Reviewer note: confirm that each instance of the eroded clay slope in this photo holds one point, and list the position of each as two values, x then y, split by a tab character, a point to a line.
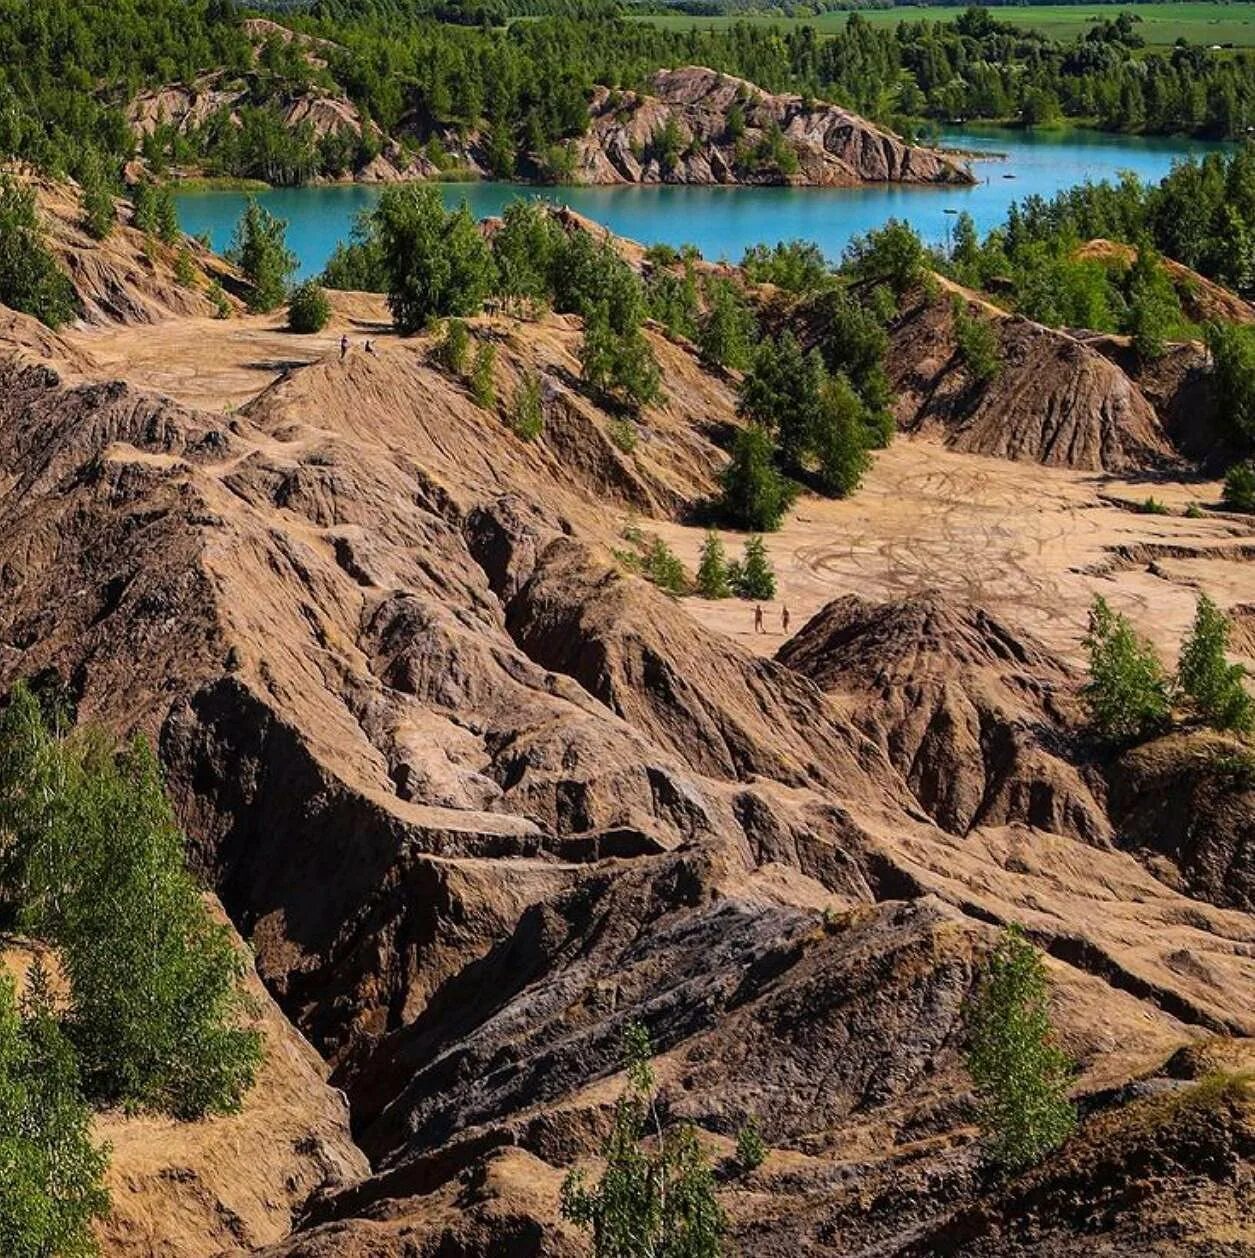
1055	400
983	723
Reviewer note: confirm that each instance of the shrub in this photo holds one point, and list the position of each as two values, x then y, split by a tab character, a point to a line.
1154	310
99	209
1215	687
1233	369
97	866
618	363
661	566
755	577
455	348
729	328
659	1200
529	416
892	255
750	1149
1152	506
222	307
622	434
755	495
1020	1076
51	1175
797	267
358	265
1239	487
840	438
712	571
483	385
524	248
308	308
977	343
259	249
30	279
1127	693
437	262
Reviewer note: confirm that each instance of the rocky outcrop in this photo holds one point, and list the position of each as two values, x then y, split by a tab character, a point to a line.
697	126
983	723
1054	400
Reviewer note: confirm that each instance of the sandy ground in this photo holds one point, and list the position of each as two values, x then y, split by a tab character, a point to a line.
1033	544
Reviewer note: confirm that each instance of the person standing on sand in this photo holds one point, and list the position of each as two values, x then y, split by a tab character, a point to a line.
758	619
784	620
370	349
344	347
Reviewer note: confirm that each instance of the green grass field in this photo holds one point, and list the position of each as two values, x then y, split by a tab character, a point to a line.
1162	24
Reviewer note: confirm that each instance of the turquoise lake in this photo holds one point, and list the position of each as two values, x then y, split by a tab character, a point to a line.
723	221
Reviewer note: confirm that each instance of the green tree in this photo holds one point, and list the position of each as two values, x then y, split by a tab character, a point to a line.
663	567
308	308
977	343
754	493
782	391
1154	311
1233	370
658	1202
1127	694
31	280
756	578
892	254
185	267
840	438
51	1174
1020	1075
1216	688
259	248
1239	487
456	346
483	380
618	363
359	265
728	330
712	570
529	415
99	208
437	262
156	213
97	867
524	247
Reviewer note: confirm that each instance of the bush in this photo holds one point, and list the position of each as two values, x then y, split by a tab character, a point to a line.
977	343
1239	487
755	495
1233	370
308	308
1127	693
622	434
1151	505
755	577
618	364
1154	310
437	262
750	1149
222	307
524	248
1214	686
712	571
728	331
185	268
892	255
99	210
840	438
529	416
259	249
1020	1076
51	1175
456	346
483	385
797	267
359	265
31	281
661	566
96	865
656	1200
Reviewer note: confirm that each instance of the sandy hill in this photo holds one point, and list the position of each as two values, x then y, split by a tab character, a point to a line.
477	797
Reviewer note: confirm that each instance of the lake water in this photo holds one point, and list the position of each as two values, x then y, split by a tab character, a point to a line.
723	221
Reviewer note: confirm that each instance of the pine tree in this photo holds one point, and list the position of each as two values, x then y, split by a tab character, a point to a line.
840	438
1216	688
259	249
756	577
755	495
1020	1076
529	416
712	572
456	346
483	384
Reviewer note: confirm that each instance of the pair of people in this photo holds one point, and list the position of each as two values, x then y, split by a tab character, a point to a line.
344	346
758	619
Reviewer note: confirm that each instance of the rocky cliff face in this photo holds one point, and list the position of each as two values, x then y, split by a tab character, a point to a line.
696	126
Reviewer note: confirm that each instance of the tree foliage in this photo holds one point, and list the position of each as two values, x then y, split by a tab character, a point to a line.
652	1201
1127	694
712	569
95	863
754	493
30	279
1020	1075
1215	687
1232	349
259	249
51	1173
308	308
755	578
1239	487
